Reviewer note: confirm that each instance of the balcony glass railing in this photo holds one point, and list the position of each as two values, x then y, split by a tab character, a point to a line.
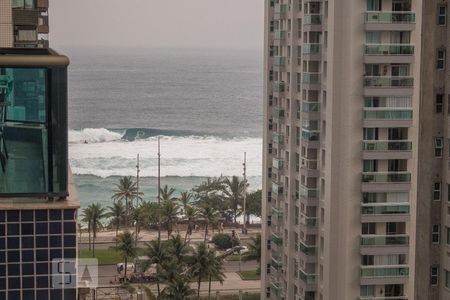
313	19
311	48
387	82
385	209
281	8
378	145
310	106
389	49
387	114
384	240
308	192
309	221
278	138
278	112
276	239
277	213
390	17
279	61
279	87
383	298
311	78
310	164
280	34
276	264
307	249
376	271
312	136
307	278
276	189
386	177
278	163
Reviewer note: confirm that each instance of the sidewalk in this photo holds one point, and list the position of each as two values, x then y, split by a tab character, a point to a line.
148	235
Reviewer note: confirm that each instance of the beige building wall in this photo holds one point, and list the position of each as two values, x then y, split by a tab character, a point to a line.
6	28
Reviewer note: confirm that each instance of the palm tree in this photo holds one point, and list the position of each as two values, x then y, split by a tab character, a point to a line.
200	264
127	248
156	251
126	189
209	216
87	218
139	215
185	197
97	213
254	252
116	212
214	269
191	215
178	248
234	193
178	288
166	193
169	214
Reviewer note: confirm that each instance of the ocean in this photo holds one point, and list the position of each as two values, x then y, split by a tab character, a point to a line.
204	104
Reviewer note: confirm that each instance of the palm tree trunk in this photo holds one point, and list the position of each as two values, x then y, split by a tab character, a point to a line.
126	212
187	231
136	228
199	282
93	242
209	288
117	232
206	231
89	234
126	265
157	285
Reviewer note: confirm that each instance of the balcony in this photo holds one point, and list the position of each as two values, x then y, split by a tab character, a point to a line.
280	61
278	214
388	82
385	271
385	118
390	21
309	167
309	250
276	264
383	298
312	19
280	34
312	136
390	149
279	87
311	49
384	240
278	138
307	278
309	193
310	107
384	209
280	11
389	53
277	112
311	222
386	177
276	189
278	163
277	240
310	78
276	289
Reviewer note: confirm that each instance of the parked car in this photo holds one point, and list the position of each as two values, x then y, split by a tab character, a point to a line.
236	250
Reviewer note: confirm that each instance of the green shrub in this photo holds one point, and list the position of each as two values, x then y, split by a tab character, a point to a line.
224	241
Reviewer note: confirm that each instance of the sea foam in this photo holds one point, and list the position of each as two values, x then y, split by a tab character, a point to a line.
106	154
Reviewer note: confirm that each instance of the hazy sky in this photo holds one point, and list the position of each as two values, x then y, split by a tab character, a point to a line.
163	23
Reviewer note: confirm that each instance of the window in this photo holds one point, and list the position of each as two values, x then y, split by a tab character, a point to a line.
438	147
447	279
367	291
442	15
435	232
437	191
448	235
434	276
368	228
440	62
439	105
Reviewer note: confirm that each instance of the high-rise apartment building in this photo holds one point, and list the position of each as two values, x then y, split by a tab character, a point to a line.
356	150
38	201
24	23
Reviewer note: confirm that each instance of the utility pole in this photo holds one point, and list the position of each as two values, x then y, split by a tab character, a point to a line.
137	174
159	190
244	228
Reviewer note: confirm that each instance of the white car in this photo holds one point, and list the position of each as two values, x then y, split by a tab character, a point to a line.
237	250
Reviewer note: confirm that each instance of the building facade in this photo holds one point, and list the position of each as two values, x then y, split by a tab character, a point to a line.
353	150
38	201
24	23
